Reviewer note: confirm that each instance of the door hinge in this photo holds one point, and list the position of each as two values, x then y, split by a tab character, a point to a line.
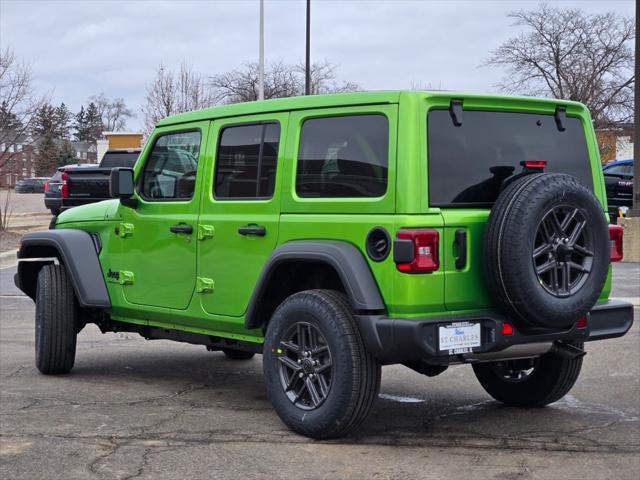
124	230
205	231
204	285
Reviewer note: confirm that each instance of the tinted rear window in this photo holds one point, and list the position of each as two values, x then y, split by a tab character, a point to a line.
468	164
124	159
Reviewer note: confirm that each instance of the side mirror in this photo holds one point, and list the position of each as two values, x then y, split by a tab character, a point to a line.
121	186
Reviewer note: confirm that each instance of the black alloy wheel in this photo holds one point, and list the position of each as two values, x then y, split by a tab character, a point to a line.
305	366
563	252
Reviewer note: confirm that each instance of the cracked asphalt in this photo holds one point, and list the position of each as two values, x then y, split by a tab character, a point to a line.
148	410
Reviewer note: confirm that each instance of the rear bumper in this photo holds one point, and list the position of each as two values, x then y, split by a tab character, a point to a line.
395	340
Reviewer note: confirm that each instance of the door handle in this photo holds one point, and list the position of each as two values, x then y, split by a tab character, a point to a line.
257	230
181	228
461	246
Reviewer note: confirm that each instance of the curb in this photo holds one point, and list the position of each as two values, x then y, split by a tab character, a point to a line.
8	254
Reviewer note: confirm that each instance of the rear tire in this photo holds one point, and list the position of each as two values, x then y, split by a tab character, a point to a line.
55	212
56	321
237	354
548	380
319	376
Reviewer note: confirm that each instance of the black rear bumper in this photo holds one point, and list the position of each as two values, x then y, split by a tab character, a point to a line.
398	340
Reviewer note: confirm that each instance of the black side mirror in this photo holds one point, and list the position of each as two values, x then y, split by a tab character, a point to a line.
121	186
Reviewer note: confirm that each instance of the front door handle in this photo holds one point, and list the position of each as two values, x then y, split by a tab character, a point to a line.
181	228
257	230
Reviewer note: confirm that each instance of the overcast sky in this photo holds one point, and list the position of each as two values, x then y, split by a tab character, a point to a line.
84	47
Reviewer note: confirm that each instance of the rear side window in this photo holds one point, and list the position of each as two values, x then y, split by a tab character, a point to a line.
118	159
170	171
246	161
343	157
469	164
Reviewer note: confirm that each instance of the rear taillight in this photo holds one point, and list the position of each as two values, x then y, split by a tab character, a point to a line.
615	236
64	188
582	322
416	250
507	329
46	187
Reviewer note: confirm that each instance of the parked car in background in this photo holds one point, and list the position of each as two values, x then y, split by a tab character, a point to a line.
89	185
75	185
31	185
52	188
618	179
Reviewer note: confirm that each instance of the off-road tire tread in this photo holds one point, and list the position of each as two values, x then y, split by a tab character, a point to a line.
366	368
56	311
553	379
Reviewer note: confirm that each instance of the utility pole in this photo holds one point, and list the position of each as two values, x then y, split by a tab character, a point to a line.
307	69
261	55
635	209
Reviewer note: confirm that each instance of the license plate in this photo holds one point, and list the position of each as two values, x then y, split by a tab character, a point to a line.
459	337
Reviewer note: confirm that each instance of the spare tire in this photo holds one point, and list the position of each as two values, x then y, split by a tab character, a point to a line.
546	250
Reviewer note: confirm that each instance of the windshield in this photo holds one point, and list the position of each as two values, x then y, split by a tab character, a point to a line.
469	164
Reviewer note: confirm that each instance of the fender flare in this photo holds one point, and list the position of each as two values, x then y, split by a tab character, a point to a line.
77	251
346	259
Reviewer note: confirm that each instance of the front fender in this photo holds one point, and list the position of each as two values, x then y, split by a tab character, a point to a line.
76	250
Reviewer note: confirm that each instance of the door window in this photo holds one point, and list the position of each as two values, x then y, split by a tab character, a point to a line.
246	161
170	171
343	156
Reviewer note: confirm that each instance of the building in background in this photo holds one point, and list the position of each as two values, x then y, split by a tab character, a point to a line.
86	152
615	142
118	140
18	162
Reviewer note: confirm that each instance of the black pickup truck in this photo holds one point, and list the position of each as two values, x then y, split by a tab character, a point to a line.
79	185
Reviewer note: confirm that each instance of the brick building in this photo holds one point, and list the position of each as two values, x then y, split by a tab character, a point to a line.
17	161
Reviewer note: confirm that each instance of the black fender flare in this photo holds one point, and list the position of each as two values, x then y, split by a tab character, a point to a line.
77	251
346	259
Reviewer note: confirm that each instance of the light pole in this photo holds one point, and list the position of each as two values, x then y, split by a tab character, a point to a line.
261	55
307	69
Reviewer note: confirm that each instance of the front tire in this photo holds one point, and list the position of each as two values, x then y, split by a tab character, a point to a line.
319	376
56	321
531	382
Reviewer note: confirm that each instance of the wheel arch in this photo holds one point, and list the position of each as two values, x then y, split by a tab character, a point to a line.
313	264
77	251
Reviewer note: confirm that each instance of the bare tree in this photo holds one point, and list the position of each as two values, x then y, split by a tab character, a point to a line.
175	92
18	105
114	113
568	54
281	80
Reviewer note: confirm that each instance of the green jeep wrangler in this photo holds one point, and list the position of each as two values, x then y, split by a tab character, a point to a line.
335	234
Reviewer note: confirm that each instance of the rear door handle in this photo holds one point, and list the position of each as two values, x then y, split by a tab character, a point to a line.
181	228
257	230
461	246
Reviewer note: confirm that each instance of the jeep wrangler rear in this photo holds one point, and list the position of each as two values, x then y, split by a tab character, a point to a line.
336	234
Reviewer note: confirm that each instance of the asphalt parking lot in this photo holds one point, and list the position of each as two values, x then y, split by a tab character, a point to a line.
138	409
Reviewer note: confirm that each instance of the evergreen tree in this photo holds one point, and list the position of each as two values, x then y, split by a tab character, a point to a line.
47	156
94	123
44	122
81	126
63	121
66	154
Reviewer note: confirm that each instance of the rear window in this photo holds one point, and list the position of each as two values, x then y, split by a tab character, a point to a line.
118	159
469	164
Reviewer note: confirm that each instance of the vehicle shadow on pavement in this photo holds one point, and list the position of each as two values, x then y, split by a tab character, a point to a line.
180	392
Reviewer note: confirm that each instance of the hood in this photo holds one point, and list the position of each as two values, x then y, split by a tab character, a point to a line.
105	210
